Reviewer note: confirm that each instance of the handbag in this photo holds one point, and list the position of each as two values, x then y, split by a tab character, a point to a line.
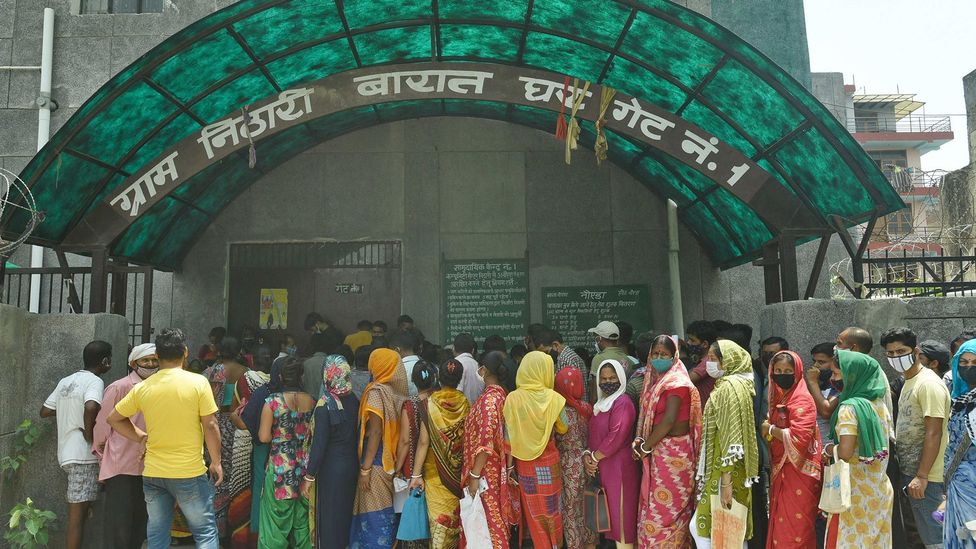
413	521
596	509
836	495
728	525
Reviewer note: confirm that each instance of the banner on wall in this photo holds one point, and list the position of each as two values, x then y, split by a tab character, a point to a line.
572	310
274	309
486	297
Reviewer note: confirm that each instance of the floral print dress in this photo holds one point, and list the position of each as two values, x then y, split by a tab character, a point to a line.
288	455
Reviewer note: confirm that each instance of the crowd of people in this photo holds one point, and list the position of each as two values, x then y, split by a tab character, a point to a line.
326	447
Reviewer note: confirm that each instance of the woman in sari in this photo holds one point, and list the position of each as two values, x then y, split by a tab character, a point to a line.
728	463
532	412
379	419
228	380
667	444
794	493
330	476
611	431
862	426
569	384
441	451
486	454
285	426
960	456
424	378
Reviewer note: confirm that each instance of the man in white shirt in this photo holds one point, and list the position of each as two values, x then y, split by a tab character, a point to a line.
75	403
464	350
404	342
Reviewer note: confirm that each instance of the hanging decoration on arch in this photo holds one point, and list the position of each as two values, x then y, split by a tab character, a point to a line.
573	129
602	147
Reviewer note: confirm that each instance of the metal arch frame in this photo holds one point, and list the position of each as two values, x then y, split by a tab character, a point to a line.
143	74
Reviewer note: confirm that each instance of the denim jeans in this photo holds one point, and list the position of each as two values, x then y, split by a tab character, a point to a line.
929	530
195	496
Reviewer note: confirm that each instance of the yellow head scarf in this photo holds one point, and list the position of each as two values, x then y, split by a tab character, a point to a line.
531	410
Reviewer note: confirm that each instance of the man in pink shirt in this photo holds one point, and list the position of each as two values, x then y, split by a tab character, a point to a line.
121	458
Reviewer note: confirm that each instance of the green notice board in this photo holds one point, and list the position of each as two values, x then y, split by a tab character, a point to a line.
572	310
486	297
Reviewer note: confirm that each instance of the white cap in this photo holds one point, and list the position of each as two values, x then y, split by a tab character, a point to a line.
606	330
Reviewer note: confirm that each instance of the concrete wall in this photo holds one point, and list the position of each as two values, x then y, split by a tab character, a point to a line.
807	323
828	87
37	351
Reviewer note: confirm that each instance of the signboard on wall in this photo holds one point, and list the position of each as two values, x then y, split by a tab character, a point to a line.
572	310
486	297
274	309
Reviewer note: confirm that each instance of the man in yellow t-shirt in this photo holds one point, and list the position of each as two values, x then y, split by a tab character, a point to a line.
920	433
179	410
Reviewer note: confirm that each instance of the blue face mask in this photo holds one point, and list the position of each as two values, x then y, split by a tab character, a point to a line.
662	364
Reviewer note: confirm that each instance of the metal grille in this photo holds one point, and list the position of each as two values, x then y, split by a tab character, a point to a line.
315	255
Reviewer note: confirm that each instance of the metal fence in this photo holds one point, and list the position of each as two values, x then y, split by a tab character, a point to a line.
889	123
903	273
65	290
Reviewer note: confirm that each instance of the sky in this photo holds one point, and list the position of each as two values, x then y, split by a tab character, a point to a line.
911	46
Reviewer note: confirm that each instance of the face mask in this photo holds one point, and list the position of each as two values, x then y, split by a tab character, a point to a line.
609	388
766	357
596	345
713	369
291	351
554	355
145	372
901	363
968	374
837	384
785	381
662	364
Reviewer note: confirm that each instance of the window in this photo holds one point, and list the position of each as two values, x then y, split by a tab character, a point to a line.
900	222
121	6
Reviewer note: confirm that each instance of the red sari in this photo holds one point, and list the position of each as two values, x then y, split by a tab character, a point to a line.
667	495
484	432
796	468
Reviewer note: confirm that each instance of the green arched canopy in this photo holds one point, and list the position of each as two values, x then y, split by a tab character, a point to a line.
804	169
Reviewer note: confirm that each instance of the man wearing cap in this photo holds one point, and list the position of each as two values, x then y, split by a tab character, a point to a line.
935	356
121	458
607	340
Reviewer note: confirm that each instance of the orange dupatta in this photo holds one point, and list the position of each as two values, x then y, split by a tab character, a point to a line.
390	385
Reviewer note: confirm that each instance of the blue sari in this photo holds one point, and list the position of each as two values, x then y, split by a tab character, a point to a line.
961	494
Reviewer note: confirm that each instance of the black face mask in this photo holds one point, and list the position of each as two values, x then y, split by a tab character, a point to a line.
785	381
968	374
554	355
837	384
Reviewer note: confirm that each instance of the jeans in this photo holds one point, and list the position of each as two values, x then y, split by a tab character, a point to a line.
929	530
195	496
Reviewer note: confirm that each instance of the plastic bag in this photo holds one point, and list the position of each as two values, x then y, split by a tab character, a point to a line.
400	493
413	521
728	525
474	522
835	498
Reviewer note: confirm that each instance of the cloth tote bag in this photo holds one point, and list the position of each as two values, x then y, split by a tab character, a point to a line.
836	495
474	522
728	525
413	521
596	509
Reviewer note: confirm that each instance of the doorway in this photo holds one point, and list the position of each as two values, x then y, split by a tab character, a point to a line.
274	285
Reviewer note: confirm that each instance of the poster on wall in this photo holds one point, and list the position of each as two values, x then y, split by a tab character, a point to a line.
572	310
274	309
486	297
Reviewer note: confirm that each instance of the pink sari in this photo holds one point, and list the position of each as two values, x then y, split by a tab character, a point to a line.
667	496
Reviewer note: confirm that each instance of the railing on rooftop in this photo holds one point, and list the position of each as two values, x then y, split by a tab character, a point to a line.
912	123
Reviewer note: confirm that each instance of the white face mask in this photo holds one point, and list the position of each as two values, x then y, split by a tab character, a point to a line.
596	345
902	363
713	369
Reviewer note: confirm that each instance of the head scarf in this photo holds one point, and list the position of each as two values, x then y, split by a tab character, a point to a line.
605	402
141	351
730	409
335	381
531	410
569	383
864	382
802	443
656	384
387	391
959	386
447	409
251	413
